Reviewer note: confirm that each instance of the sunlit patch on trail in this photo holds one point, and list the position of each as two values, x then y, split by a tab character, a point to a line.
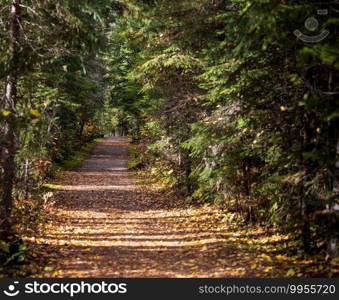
103	225
89	187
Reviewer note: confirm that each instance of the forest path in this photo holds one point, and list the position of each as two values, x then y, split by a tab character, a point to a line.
104	225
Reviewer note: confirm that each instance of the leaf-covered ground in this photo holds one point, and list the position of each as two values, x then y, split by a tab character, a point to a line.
105	225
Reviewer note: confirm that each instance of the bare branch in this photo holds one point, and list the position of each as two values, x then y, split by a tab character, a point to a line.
29	8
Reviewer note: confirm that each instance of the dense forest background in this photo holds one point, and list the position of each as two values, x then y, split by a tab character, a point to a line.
224	103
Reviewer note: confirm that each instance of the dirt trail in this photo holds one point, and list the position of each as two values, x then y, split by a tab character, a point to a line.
103	225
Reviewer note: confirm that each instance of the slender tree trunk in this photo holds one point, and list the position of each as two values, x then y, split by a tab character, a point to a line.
9	105
81	130
333	208
307	166
305	226
332	247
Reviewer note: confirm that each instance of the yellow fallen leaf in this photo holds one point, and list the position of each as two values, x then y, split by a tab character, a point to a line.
290	273
204	248
267	269
266	257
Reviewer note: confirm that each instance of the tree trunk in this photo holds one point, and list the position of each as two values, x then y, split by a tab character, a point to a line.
9	106
333	208
332	247
307	167
81	129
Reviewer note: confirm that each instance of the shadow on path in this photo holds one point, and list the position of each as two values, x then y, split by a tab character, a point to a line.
103	225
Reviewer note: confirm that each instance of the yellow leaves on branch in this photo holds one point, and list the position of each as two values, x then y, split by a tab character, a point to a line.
35	113
5	113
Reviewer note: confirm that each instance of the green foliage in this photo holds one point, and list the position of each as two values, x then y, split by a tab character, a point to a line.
238	110
60	85
61	102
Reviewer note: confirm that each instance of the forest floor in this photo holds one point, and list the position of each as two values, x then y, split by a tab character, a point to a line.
104	224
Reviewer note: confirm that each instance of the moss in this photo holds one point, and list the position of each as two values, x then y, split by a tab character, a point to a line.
79	155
